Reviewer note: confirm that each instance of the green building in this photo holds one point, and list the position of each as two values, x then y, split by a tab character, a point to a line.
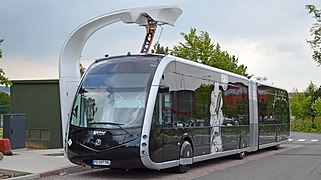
39	100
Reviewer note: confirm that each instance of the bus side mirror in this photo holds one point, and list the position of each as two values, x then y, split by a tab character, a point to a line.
163	89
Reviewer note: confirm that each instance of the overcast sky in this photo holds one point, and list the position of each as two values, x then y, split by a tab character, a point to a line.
268	36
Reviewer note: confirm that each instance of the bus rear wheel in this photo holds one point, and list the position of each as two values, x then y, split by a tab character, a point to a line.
243	144
240	155
277	147
186	155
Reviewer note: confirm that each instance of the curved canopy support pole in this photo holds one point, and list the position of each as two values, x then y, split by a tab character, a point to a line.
69	73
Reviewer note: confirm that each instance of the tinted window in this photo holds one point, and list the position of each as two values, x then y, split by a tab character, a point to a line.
114	93
273	105
236	105
188	101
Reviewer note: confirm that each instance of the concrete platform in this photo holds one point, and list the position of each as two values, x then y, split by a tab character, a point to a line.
38	163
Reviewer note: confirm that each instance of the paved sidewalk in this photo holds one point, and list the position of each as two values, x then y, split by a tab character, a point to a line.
38	163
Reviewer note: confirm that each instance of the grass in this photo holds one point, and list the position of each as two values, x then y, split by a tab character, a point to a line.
306	125
1	133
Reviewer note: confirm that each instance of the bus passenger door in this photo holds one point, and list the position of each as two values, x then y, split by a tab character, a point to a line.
163	131
170	148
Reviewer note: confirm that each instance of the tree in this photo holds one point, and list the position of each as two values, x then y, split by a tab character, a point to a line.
306	105
298	105
82	69
4	99
4	103
310	94
315	30
3	79
316	101
317	106
158	49
199	48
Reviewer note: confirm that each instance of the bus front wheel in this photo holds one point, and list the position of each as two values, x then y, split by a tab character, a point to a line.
186	157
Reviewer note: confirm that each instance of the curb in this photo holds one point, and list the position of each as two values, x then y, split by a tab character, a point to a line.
29	176
64	171
19	174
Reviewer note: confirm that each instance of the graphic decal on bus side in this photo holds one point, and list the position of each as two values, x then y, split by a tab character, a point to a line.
216	119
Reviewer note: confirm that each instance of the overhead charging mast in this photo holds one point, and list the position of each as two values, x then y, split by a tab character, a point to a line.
150	33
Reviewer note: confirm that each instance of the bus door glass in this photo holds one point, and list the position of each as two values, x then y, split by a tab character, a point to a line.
164	124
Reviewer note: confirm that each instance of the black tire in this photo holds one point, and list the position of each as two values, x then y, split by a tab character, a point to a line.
277	147
182	168
278	136
243	144
185	152
243	141
240	155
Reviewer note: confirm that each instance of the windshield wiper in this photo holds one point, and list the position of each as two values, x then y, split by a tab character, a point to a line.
82	90
112	123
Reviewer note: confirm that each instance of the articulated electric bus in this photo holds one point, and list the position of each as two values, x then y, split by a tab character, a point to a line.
157	112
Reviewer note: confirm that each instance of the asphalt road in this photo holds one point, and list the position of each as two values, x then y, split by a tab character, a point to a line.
298	159
301	163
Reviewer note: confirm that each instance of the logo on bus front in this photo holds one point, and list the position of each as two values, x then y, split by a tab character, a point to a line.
98	142
99	133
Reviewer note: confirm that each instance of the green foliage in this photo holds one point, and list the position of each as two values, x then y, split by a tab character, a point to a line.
317	106
199	48
158	49
82	69
315	30
306	105
3	79
4	99
311	93
196	48
306	126
298	105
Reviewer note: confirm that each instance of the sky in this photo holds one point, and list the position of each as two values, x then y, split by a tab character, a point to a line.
268	36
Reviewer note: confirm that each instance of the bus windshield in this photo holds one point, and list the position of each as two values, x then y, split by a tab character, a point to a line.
113	95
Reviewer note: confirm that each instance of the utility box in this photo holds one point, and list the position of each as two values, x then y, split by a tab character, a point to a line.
14	129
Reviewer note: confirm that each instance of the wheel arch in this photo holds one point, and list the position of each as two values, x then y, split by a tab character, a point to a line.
187	137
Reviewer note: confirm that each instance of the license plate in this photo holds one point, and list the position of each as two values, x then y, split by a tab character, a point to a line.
102	162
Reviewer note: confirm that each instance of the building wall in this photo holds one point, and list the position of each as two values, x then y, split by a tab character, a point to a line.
39	100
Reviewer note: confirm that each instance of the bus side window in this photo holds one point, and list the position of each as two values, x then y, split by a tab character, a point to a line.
167	109
163	108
